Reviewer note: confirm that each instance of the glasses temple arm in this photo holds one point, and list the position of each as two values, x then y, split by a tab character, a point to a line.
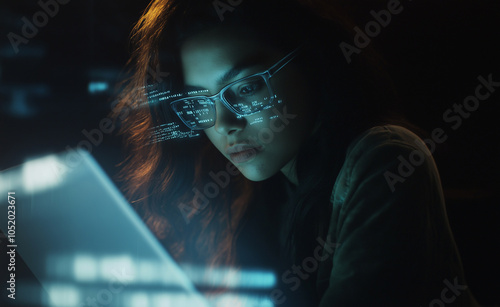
278	66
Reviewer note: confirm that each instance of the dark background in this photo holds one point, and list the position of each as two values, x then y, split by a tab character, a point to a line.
435	50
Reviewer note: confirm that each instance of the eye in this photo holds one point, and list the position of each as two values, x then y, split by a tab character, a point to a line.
249	88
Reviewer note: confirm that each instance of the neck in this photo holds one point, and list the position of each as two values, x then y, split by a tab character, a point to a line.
290	172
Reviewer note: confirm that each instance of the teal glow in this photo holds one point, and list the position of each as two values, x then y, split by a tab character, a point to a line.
43	173
85	268
60	295
97	87
230	277
140	299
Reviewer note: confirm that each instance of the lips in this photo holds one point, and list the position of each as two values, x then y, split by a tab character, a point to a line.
240	153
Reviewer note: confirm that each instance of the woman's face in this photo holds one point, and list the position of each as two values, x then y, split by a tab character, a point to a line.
271	138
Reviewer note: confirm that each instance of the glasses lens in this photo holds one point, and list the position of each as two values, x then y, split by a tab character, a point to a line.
249	95
195	112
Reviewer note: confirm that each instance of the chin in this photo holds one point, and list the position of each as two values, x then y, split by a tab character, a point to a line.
255	176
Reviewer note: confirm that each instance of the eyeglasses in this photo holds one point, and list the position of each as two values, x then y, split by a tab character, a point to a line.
243	97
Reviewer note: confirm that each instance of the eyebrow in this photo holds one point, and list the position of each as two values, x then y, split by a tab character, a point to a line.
255	59
241	65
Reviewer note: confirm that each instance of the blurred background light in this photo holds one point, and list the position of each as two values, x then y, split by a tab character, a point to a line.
230	277
140	299
96	87
43	173
60	295
85	268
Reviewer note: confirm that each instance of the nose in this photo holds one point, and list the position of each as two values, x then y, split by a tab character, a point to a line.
227	122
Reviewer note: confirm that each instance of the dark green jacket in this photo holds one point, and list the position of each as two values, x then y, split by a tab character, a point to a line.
389	240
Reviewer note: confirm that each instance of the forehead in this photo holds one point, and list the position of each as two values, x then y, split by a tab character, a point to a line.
207	56
219	41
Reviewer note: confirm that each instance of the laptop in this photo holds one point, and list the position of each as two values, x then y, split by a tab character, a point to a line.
64	218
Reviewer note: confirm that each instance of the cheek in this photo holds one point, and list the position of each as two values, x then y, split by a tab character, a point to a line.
215	138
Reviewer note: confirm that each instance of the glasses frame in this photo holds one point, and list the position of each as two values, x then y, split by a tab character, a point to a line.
266	75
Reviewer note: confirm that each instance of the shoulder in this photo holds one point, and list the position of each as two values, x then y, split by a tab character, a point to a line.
389	223
385	138
391	154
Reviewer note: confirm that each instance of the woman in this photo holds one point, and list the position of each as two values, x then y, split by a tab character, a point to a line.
263	146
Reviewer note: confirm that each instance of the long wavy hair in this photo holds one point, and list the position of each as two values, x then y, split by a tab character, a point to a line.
161	178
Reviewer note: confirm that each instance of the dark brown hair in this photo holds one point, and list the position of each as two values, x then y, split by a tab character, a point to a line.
160	176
